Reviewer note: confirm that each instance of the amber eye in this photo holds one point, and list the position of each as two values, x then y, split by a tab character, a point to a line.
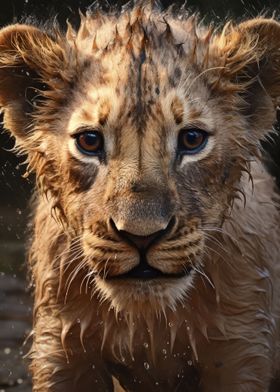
192	140
90	142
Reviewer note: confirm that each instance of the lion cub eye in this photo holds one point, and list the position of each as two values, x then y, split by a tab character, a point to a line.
192	140
90	142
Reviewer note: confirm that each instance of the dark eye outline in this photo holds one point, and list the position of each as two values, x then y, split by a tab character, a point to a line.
87	131
183	150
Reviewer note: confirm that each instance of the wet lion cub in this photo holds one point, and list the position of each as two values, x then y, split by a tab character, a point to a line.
155	253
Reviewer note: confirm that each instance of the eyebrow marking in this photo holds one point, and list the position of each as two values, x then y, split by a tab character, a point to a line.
177	109
86	115
194	113
104	111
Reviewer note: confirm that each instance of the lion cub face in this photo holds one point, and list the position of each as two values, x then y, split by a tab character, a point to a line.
151	166
138	127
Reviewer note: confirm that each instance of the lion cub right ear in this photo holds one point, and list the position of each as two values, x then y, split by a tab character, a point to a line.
33	71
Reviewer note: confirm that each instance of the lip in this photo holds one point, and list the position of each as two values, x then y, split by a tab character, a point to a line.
144	271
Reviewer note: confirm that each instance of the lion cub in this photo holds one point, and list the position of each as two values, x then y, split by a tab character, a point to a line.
155	253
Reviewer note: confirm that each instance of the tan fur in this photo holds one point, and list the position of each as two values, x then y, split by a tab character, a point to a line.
140	77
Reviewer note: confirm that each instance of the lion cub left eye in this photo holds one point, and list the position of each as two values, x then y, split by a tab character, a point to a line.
192	140
90	142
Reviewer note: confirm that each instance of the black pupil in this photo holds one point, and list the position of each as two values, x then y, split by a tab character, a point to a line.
91	139
193	137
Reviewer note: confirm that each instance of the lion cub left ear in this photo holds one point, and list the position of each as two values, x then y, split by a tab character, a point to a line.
251	55
32	65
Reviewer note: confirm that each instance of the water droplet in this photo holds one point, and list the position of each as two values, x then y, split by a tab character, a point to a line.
157	383
93	366
146	345
170	324
146	366
7	350
164	351
190	363
19	381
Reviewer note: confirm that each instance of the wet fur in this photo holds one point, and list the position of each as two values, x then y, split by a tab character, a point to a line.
141	76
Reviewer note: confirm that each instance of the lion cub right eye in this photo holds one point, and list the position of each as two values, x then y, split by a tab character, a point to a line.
90	142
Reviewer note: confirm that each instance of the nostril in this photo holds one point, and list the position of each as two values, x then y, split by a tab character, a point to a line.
139	241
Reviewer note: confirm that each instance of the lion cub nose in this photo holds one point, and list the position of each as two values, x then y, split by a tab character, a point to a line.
142	242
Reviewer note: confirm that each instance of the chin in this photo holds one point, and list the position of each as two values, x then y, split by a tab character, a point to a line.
143	296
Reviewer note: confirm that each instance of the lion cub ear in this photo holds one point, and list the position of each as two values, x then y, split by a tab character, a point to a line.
251	55
31	69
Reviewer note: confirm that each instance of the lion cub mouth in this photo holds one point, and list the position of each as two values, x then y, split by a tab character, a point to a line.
144	271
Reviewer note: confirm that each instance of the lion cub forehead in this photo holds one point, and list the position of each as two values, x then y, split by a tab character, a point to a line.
107	109
99	31
142	40
139	63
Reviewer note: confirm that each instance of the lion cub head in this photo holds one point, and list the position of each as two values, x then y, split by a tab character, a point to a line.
138	127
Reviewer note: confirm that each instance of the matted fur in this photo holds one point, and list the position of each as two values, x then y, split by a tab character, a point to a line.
140	76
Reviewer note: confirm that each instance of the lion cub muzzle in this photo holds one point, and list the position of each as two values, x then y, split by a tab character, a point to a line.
143	243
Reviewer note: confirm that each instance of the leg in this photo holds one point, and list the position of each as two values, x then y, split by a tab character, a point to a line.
52	371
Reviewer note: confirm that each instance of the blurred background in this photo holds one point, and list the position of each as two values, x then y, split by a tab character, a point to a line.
15	191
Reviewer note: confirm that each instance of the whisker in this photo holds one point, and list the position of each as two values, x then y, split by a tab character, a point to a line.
72	277
203	274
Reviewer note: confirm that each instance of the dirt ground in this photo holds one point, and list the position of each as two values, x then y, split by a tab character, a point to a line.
15	325
15	302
